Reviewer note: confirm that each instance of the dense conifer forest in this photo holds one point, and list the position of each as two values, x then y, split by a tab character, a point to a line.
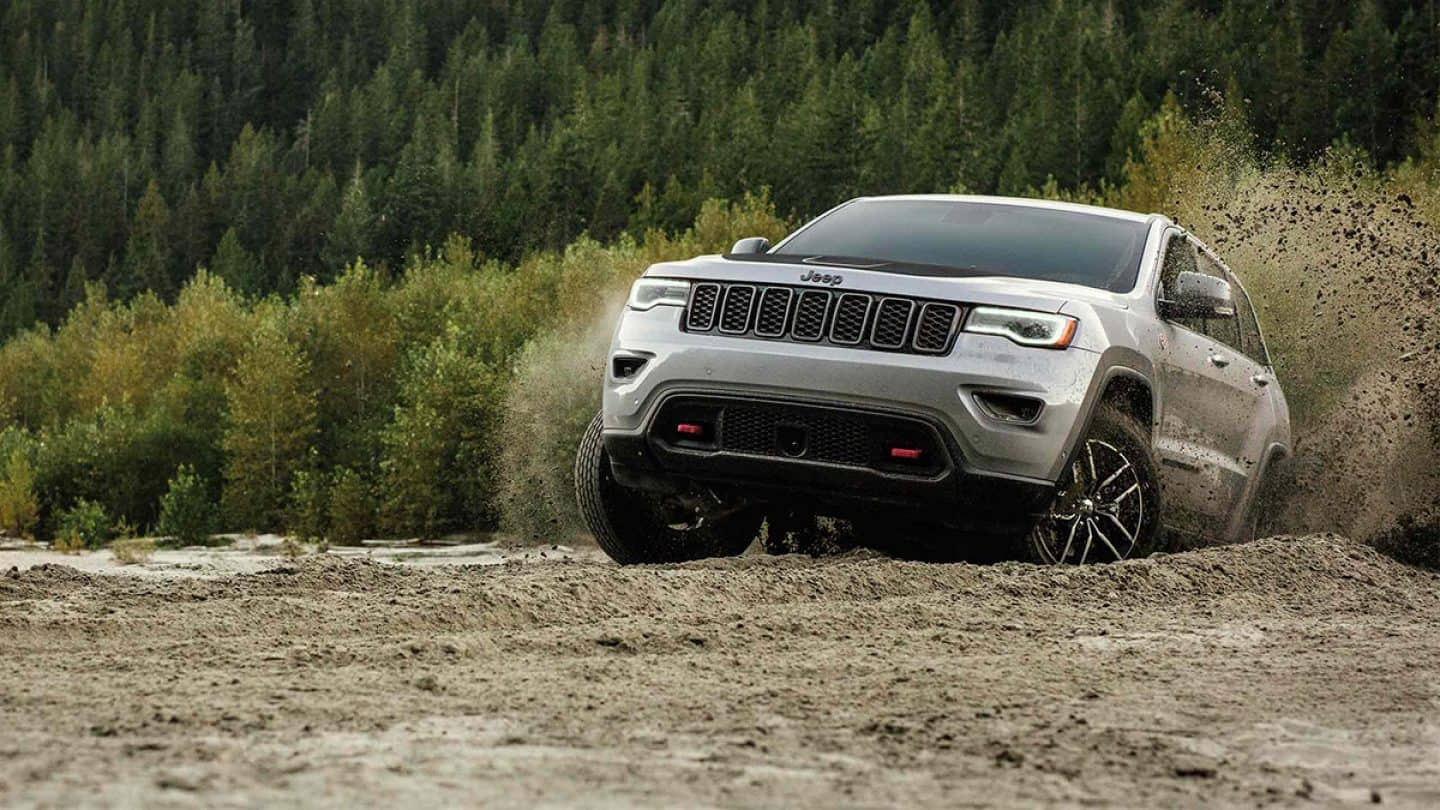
270	140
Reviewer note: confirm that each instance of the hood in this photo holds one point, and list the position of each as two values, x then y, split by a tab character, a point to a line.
1004	291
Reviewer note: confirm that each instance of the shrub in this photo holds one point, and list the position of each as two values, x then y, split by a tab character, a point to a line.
69	544
308	507
352	511
187	513
19	509
86	522
132	550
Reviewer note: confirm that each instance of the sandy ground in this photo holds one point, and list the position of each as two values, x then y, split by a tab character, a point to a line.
1283	672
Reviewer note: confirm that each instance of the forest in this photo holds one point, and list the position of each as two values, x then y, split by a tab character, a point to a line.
322	266
273	140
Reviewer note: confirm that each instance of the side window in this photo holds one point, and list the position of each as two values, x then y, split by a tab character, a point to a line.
1222	330
1250	341
1179	258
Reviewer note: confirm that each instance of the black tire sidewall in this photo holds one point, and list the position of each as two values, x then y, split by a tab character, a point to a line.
626	523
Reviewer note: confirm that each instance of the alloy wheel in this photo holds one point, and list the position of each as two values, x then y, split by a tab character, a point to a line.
1098	512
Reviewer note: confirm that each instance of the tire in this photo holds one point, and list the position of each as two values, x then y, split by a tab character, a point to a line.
1260	519
631	526
1111	514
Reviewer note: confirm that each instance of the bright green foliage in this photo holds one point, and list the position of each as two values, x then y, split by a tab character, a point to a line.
270	426
19	508
187	509
85	521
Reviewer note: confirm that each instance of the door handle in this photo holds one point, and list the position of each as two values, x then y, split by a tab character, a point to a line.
1219	360
1260	380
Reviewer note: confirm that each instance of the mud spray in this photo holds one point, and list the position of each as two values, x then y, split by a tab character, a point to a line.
1343	266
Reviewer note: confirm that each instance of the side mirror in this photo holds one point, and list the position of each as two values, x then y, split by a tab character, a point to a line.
754	244
1196	295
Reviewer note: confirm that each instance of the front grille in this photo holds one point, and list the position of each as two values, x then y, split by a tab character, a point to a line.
862	320
774	312
701	314
735	315
892	323
937	325
810	315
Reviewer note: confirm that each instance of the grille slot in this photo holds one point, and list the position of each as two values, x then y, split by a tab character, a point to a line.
892	323
702	307
774	312
831	437
735	314
937	325
810	315
862	320
848	325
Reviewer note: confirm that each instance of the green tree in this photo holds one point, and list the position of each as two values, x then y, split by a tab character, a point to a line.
147	255
19	508
436	477
270	424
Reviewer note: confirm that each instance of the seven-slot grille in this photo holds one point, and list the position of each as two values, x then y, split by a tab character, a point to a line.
864	320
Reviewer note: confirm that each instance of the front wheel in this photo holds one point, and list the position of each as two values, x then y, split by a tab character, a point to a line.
1107	503
638	527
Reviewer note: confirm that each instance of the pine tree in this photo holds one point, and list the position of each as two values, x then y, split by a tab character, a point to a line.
349	237
147	254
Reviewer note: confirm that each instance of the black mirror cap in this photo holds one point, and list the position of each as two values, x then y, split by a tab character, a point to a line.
1197	295
750	245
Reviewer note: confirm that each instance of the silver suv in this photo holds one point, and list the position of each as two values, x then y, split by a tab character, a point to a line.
950	375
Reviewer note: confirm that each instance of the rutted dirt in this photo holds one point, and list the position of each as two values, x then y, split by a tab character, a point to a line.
1278	672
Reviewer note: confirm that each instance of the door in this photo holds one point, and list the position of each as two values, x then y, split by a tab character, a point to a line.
1208	409
1263	428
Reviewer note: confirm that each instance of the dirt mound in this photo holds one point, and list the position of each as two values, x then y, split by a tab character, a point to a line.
1196	678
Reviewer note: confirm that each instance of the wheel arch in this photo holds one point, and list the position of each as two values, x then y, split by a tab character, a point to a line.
1125	382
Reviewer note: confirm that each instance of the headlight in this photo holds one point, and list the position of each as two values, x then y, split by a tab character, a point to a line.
654	292
1027	328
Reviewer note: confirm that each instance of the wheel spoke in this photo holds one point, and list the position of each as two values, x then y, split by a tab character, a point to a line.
1108	481
1074	524
1129	538
1089	538
1090	451
1135	487
1106	541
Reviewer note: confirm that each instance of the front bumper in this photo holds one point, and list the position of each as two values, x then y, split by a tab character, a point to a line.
938	390
847	477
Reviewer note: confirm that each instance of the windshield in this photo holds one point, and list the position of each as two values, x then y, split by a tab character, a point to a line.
936	237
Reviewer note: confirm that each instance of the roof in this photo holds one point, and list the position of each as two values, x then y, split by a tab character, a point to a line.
1018	201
